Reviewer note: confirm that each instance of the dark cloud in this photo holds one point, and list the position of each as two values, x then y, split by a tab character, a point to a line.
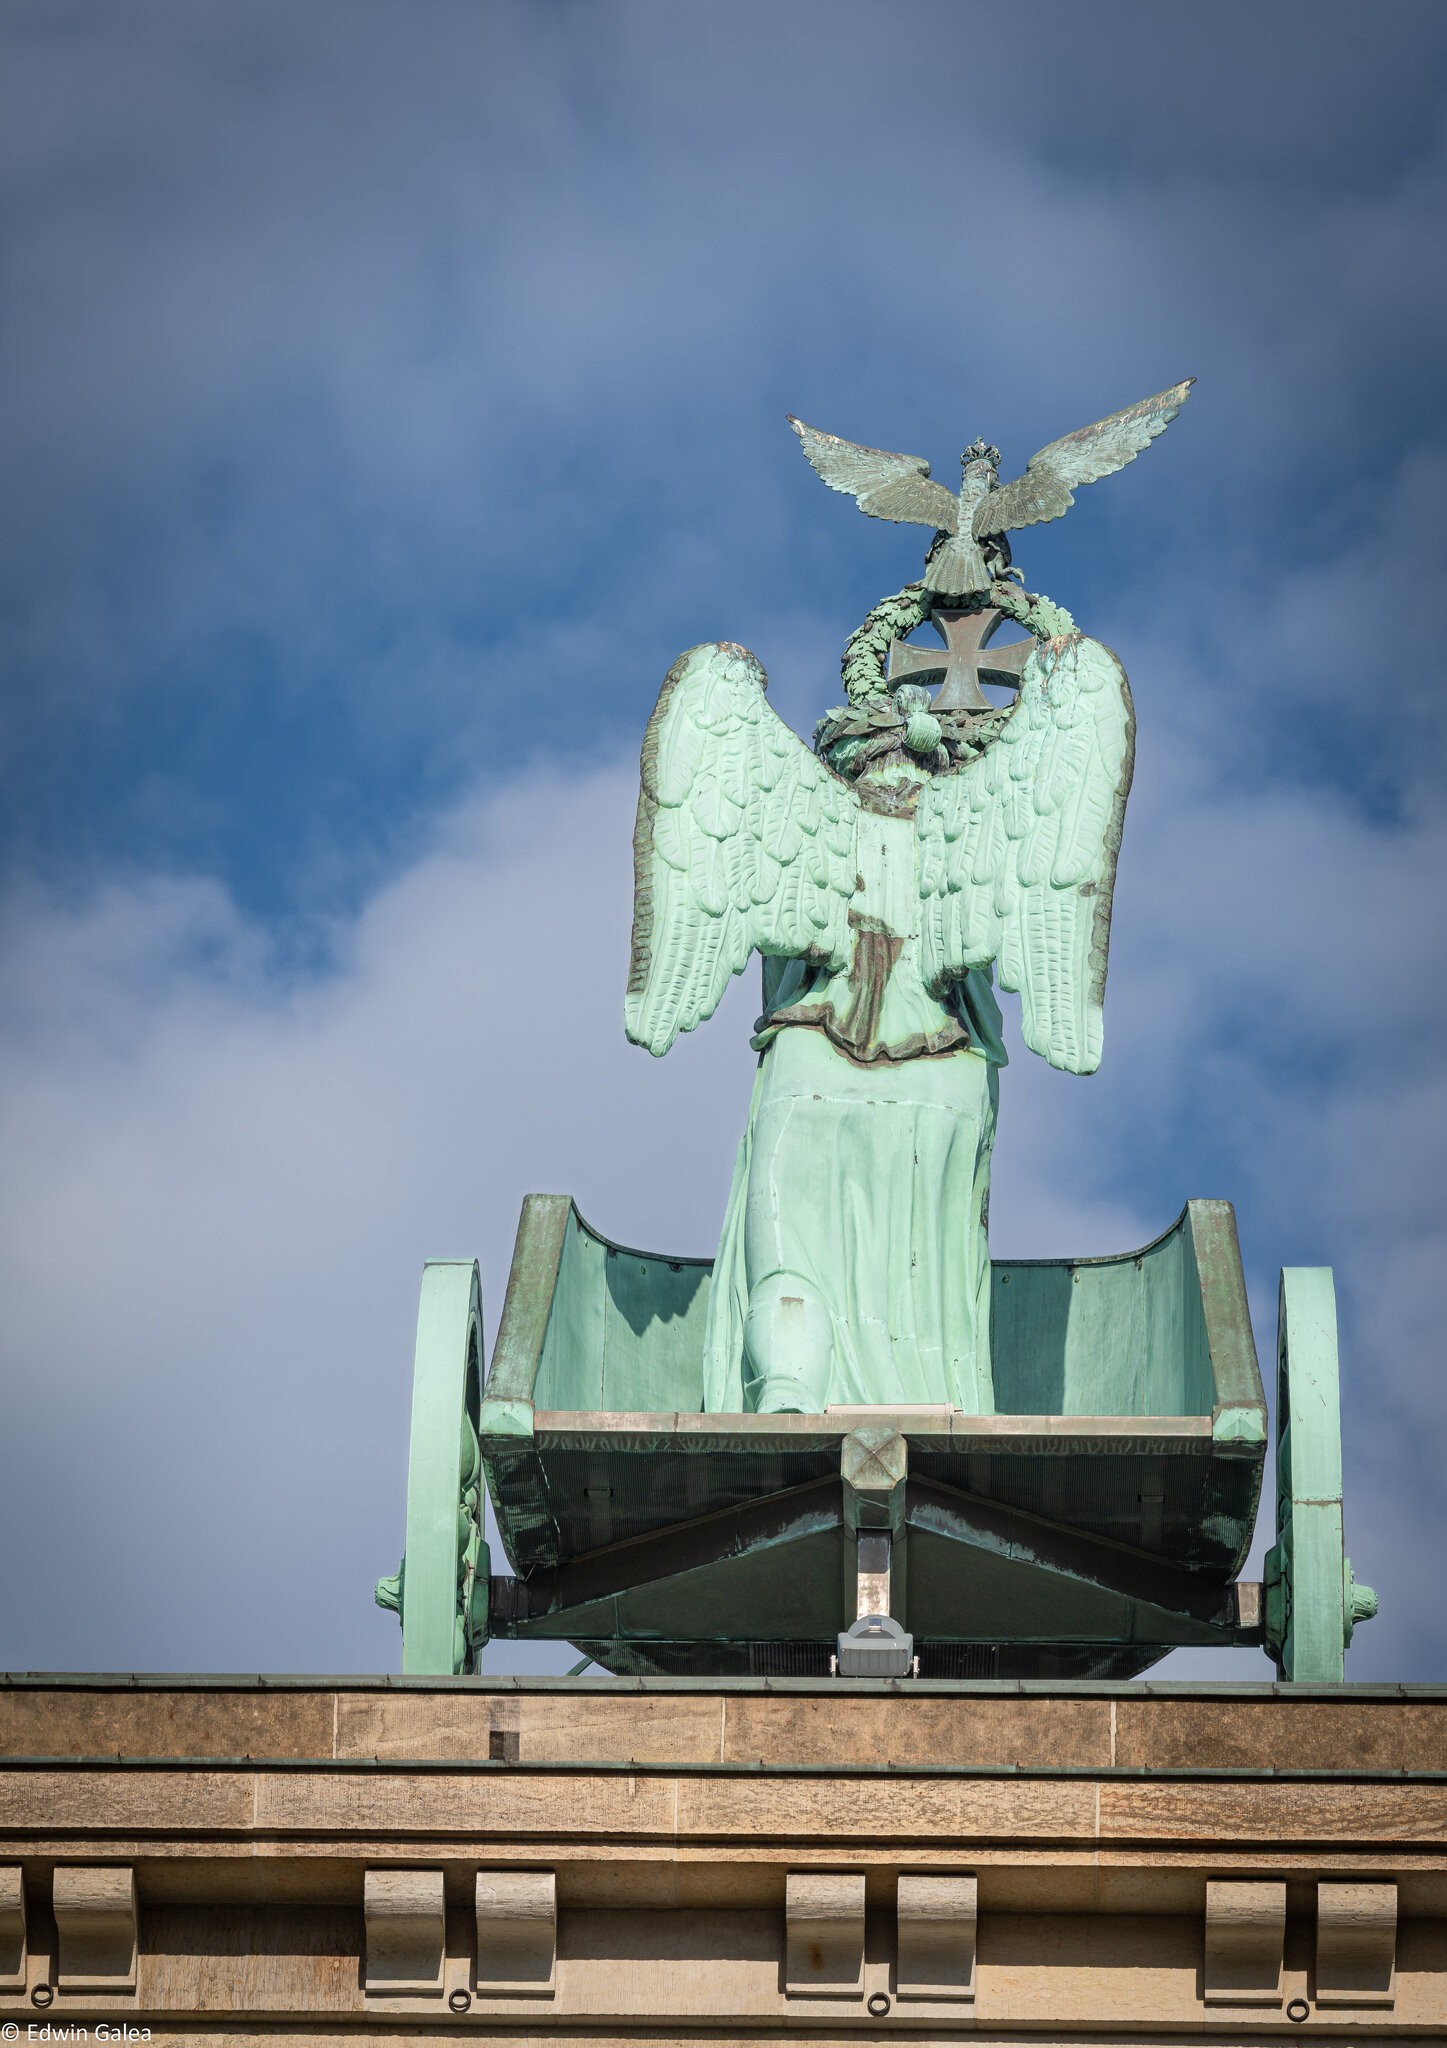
349	359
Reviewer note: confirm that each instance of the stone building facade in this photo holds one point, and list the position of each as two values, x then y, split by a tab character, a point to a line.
371	1861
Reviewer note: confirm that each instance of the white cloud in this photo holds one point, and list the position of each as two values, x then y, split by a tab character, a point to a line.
308	303
220	1190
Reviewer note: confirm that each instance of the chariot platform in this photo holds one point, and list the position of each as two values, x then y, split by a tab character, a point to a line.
1099	1519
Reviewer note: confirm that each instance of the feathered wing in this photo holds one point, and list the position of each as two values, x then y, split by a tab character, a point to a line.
1045	490
1017	852
886	486
745	841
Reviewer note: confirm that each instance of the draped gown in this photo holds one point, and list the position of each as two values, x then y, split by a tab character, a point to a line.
853	1267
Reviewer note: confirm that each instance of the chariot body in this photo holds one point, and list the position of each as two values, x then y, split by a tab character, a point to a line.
1098	1519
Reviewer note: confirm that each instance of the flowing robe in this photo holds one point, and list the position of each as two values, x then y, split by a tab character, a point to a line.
853	1267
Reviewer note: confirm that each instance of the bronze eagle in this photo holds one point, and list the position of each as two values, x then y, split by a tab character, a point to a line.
970	546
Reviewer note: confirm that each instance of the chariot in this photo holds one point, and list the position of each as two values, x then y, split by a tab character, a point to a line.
1101	1518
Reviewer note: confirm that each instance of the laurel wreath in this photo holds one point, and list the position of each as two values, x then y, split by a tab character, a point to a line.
867	649
873	724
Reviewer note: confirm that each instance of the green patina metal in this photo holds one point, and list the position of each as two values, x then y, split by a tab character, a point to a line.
876	658
631	1512
1313	1601
893	874
852	1435
440	1589
970	548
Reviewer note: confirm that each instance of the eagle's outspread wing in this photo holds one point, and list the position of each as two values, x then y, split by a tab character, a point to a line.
1045	490
886	486
745	842
1017	851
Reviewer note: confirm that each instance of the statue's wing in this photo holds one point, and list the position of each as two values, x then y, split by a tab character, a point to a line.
886	486
744	842
1045	490
1018	850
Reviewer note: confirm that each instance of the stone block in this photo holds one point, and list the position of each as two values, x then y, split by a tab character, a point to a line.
517	1931
95	1921
936	1937
1245	1943
406	1930
1356	1944
824	1941
12	1928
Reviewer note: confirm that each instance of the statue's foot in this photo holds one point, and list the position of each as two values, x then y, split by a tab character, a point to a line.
788	1347
782	1396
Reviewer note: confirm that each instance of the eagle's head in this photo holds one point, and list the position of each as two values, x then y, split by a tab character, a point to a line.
979	454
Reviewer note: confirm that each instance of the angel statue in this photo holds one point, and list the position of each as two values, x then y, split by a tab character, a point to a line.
888	876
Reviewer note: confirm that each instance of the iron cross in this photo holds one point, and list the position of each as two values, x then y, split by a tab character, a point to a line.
964	634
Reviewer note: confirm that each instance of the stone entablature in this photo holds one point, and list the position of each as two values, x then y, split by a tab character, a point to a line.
364	1858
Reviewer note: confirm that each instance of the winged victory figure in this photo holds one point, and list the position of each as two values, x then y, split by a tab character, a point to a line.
971	546
886	876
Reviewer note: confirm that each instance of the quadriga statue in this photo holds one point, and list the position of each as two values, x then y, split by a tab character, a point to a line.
921	852
918	853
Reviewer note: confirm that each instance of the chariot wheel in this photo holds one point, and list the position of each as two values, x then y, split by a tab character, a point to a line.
440	1589
1312	1599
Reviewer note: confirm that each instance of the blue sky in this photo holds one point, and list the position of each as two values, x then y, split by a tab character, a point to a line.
389	393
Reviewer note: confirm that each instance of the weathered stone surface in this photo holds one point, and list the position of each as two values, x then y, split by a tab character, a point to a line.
1264	1812
982	1731
405	1913
935	1925
1356	1944
739	1722
1308	1734
651	1728
171	1721
671	1877
1245	1942
517	1930
95	1920
100	1802
490	1805
12	1927
824	1933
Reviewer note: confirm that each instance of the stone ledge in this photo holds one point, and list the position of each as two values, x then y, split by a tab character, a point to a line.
1076	1834
1135	1728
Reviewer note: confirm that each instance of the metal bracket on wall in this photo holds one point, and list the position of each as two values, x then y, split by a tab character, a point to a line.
873	1471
